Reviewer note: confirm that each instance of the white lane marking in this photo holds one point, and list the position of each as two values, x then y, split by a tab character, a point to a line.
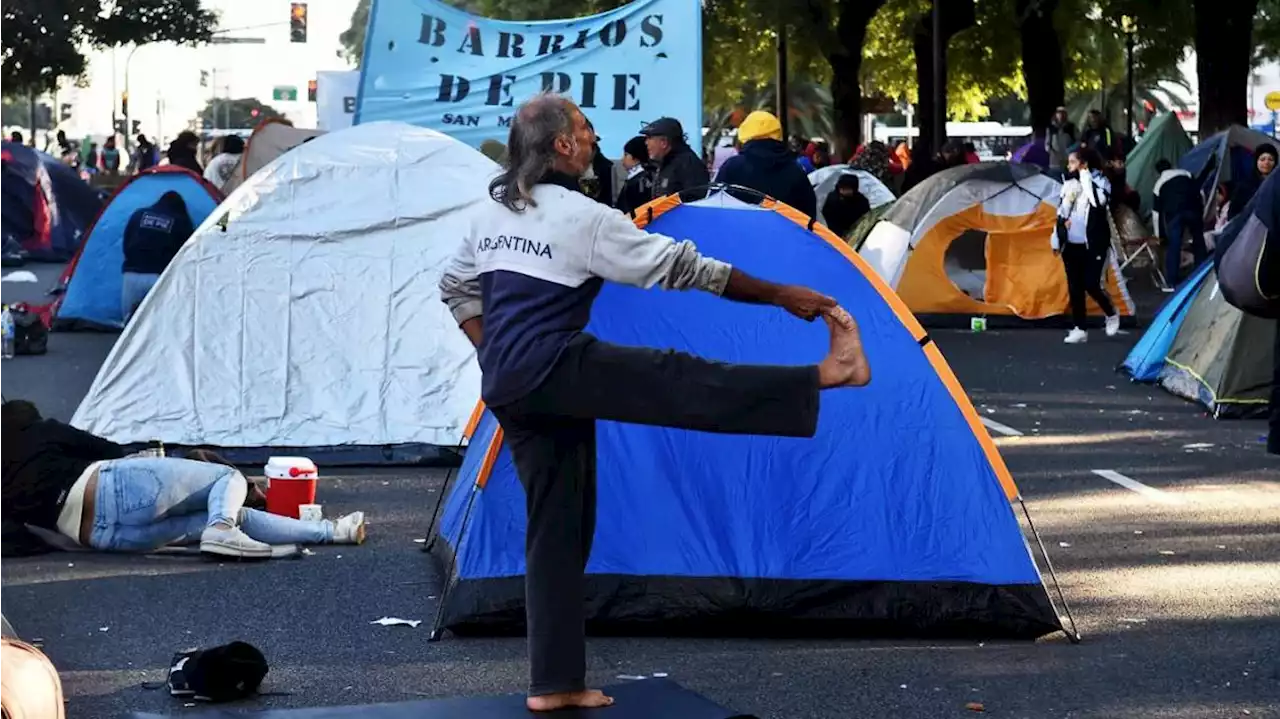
1132	484
1004	429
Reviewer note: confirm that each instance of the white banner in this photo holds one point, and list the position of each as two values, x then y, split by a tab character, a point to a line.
336	99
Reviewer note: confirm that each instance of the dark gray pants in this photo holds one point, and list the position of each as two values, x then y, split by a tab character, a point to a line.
551	433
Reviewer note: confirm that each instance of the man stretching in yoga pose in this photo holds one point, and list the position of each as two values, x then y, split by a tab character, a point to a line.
521	288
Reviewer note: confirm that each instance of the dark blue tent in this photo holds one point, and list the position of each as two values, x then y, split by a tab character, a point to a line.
93	281
1221	159
45	206
1146	359
896	519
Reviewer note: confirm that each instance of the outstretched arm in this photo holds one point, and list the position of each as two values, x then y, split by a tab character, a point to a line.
625	254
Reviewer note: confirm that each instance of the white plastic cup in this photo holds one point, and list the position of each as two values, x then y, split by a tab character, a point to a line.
310	512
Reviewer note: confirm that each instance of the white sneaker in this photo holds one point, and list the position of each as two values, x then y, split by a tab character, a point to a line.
1113	325
231	542
349	529
1076	336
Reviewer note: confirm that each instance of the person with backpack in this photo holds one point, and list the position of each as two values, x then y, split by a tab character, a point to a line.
1084	239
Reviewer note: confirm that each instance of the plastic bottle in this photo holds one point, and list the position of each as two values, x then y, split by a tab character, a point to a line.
6	327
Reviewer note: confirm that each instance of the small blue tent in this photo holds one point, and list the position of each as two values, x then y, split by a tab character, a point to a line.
896	519
94	278
1221	159
1146	359
46	207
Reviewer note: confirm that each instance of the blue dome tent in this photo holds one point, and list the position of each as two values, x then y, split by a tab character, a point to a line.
46	207
93	280
1146	359
896	519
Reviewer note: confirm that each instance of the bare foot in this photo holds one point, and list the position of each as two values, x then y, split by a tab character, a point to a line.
845	365
589	699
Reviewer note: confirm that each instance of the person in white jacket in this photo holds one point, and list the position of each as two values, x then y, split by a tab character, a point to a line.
521	288
1084	240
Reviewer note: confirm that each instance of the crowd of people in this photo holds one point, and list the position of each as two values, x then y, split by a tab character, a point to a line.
184	151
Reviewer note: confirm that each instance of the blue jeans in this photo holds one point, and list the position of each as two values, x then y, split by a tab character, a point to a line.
134	290
147	503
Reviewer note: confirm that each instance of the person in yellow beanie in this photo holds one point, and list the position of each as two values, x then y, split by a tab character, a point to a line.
766	165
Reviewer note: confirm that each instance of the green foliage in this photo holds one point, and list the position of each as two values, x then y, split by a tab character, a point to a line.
43	39
1266	31
238	114
982	61
352	38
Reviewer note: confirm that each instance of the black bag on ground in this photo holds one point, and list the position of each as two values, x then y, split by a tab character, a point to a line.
220	674
30	336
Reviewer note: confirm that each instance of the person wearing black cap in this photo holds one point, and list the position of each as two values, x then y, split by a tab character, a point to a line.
679	167
1264	162
638	188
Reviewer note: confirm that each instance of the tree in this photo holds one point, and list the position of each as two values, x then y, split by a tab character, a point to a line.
956	16
242	113
1042	70
352	38
1224	53
43	39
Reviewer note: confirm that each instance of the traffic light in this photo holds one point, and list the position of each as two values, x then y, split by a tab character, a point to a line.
298	22
311	91
253	112
124	103
137	125
64	113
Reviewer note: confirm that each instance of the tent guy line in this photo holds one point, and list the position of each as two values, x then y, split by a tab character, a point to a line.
1132	484
1004	429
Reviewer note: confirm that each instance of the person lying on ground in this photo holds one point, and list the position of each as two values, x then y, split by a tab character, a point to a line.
67	481
525	305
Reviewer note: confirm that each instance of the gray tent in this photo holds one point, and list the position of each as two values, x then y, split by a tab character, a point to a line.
1221	358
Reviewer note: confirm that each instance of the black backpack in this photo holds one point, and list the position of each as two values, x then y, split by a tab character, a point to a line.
30	336
220	674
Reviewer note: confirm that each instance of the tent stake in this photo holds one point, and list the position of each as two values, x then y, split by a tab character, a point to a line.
1074	633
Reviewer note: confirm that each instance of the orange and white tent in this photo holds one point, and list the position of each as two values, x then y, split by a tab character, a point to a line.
975	240
269	140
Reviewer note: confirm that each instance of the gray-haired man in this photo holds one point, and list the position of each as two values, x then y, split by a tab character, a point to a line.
521	288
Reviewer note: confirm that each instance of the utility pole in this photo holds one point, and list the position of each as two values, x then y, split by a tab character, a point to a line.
1130	28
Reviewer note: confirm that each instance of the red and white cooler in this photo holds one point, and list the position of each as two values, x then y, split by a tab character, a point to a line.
291	482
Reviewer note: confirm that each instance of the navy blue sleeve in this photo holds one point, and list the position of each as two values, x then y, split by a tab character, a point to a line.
806	198
728	173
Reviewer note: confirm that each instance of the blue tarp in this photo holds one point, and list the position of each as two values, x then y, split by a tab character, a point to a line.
894	487
1146	359
46	207
92	298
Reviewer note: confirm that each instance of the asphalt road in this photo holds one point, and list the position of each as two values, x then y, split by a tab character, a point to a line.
1174	579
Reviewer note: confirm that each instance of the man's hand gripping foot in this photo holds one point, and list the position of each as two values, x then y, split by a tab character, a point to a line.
845	365
589	699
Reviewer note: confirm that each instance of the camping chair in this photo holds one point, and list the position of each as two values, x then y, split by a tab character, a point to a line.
1137	249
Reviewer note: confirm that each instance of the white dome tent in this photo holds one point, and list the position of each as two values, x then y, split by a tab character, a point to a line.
304	313
824	183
